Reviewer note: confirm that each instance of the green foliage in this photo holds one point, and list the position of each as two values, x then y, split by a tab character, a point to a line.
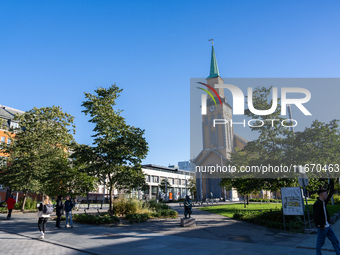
336	198
277	145
29	205
272	219
135	217
96	219
118	148
124	206
157	206
38	155
192	186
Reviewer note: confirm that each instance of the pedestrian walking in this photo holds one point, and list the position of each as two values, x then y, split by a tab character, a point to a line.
322	221
45	209
10	206
68	212
59	211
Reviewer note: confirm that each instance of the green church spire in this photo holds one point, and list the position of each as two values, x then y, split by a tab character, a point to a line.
213	65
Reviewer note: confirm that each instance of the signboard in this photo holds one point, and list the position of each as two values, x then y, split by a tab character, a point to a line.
303	180
292	202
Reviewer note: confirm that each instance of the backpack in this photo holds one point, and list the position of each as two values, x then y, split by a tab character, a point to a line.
48	209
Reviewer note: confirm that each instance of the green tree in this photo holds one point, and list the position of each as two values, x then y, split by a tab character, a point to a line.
192	186
39	146
268	149
118	148
318	149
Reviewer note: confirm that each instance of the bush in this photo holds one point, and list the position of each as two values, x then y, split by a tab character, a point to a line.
135	217
157	206
29	205
95	219
315	196
272	219
173	214
336	198
165	212
124	206
156	214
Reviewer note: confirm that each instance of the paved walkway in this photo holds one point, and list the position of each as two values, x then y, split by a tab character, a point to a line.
214	234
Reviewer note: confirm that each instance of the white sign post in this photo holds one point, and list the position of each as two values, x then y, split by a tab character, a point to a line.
303	181
292	202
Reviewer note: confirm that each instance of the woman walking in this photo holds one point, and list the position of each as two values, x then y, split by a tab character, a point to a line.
10	206
45	209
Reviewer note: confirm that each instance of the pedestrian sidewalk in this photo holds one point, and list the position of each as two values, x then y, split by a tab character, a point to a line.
214	234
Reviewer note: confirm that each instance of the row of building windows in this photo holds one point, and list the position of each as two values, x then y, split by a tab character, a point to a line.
157	179
3	140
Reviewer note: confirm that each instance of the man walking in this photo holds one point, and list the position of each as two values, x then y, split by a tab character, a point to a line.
68	211
322	221
59	211
10	206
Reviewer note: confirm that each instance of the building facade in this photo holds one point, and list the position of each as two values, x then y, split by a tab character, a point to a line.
154	174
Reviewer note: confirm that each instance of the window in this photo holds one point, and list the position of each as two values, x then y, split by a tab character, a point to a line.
155	179
14	125
147	178
171	181
9	141
3	139
179	181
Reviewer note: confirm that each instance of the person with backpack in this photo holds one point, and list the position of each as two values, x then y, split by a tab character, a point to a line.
68	211
45	209
10	206
59	211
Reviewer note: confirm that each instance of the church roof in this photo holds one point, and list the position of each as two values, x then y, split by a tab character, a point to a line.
241	139
213	65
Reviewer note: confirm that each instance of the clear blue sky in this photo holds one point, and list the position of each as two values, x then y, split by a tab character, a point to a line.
53	51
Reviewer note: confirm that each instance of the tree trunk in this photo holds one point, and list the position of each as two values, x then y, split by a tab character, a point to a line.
248	199
23	202
101	206
111	200
8	193
244	199
88	201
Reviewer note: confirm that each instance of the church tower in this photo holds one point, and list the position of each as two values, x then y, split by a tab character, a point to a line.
218	141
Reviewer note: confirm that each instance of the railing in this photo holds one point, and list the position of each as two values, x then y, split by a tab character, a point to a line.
91	206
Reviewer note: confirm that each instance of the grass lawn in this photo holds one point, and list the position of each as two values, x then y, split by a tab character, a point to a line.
230	209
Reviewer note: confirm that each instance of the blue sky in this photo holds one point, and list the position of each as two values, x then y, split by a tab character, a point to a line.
53	51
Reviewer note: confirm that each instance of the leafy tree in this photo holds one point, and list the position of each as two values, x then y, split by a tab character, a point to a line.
276	145
37	149
70	179
118	148
318	149
267	149
192	186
